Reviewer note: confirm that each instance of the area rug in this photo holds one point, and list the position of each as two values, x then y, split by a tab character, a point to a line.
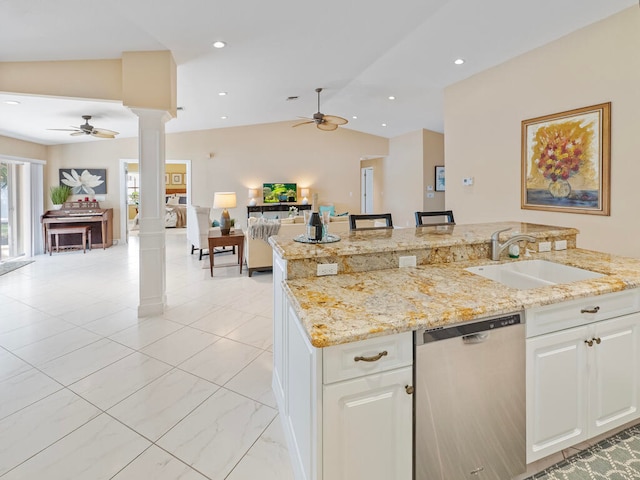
11	266
614	458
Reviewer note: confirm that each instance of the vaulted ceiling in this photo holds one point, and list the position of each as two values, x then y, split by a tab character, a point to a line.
360	51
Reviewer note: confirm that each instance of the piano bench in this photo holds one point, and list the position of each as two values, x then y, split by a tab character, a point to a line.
57	231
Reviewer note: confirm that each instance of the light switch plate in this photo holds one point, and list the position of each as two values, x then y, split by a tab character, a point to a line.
544	246
327	269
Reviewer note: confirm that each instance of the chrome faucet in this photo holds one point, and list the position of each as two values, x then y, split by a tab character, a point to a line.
497	248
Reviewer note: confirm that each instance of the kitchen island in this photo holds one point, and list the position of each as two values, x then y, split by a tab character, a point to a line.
372	306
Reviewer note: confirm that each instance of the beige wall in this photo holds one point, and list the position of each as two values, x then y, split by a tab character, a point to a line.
243	157
19	148
483	114
433	155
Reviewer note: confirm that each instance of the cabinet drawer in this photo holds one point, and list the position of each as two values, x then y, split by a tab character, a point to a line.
339	361
573	313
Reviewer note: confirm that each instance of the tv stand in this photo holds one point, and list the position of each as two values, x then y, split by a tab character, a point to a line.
276	207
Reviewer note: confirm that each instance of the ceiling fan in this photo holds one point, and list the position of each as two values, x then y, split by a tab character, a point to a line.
322	121
86	129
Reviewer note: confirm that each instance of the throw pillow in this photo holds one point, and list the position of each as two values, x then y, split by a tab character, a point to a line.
325	208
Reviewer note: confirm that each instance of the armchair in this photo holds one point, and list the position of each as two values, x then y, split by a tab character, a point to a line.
198	227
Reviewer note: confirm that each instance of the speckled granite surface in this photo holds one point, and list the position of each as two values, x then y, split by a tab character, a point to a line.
378	250
351	307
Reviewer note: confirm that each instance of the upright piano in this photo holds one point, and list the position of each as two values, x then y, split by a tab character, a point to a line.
81	213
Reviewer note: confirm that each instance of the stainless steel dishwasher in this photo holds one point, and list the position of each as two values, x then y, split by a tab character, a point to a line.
469	402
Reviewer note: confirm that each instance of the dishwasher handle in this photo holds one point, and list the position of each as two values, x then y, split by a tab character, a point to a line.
475	338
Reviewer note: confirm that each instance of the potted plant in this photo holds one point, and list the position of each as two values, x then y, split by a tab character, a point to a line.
59	195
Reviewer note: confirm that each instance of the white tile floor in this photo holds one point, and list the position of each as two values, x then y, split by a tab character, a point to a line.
89	391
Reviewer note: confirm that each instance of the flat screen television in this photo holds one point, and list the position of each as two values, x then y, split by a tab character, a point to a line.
279	192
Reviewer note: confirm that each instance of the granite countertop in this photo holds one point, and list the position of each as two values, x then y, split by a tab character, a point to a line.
351	307
401	239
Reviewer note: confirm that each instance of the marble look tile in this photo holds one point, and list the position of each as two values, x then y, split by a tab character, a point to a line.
24	389
268	458
114	383
215	436
96	451
24	317
86	360
32	333
92	311
11	365
154	409
188	312
157	464
145	333
56	346
219	362
254	381
222	321
114	322
257	332
180	345
37	426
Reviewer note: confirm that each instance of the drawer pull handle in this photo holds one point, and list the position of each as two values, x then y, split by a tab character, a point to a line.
597	340
589	342
408	389
595	309
374	358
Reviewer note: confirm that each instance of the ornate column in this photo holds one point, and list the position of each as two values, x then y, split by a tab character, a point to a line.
152	255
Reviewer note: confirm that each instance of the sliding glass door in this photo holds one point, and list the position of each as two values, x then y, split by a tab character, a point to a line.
12	219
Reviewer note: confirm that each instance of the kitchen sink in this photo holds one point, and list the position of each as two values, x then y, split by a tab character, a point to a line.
532	273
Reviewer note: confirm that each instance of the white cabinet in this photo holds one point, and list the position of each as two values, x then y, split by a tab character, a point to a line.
581	381
343	418
367	427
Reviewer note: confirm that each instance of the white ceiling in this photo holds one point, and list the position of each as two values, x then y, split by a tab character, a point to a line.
360	51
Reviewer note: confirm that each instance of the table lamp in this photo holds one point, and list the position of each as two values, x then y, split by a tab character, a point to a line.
253	193
305	193
224	200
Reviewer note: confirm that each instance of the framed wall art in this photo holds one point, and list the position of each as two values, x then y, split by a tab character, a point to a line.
566	161
176	179
166	179
439	179
89	181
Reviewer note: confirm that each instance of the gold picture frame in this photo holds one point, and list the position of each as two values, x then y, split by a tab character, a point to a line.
566	161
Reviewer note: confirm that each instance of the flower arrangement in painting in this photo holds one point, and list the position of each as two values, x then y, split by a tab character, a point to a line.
561	149
84	183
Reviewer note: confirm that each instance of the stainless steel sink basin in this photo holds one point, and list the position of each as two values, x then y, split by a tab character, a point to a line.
533	273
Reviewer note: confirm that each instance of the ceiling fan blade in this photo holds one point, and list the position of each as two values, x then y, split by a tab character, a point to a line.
327	127
303	123
105	131
64	129
335	120
78	133
103	134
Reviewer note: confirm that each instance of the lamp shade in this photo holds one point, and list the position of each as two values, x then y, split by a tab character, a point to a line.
224	200
304	192
253	192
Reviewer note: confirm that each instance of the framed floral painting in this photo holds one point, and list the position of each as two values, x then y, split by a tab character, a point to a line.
566	161
89	181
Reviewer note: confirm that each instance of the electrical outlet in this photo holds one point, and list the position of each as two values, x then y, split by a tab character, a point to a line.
408	261
430	195
467	181
560	245
544	246
327	269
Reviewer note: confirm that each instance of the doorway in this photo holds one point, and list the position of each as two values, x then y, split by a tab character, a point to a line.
130	191
366	190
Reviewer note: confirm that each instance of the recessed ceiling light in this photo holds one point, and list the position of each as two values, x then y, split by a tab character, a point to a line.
392	97
222	94
224	117
384	124
12	102
219	44
355	117
459	61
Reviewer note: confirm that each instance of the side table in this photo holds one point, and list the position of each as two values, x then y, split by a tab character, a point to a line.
234	239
